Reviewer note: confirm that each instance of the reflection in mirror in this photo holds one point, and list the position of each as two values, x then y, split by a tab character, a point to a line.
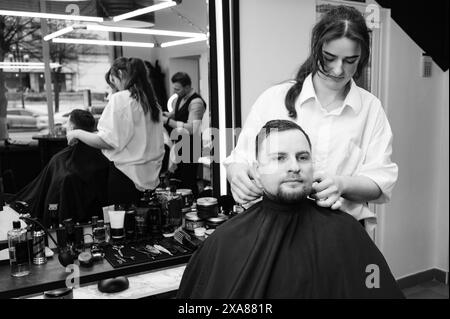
78	82
191	58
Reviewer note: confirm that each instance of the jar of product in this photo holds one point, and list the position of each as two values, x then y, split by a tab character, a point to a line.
187	195
200	233
192	221
207	207
214	222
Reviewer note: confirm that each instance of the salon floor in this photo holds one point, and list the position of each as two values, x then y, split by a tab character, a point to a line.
427	290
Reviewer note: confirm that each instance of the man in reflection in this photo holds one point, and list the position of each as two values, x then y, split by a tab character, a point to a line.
73	184
286	246
183	125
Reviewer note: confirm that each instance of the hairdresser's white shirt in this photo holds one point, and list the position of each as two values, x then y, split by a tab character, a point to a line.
353	140
137	141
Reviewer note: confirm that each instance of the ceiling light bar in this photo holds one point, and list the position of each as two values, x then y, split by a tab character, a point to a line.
104	42
26	65
58	33
95	27
184	41
155	7
50	16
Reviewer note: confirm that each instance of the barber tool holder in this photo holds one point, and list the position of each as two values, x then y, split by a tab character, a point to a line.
152	250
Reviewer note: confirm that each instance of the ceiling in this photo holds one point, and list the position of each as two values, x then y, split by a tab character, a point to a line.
427	24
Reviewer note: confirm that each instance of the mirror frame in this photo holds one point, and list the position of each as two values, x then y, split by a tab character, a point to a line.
225	86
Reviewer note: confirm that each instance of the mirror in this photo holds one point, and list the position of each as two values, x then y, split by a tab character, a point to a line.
79	69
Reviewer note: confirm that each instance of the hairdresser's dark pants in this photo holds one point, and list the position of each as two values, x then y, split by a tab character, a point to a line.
121	189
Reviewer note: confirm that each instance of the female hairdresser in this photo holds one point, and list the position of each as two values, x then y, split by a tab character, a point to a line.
129	132
350	134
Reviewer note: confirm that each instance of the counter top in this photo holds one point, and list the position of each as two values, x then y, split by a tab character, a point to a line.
53	275
141	285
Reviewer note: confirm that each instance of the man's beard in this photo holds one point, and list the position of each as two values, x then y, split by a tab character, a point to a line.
294	195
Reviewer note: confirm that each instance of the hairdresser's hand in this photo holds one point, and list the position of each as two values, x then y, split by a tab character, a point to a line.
327	190
72	137
244	184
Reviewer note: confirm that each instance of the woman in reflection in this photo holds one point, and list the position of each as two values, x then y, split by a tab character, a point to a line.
349	130
129	132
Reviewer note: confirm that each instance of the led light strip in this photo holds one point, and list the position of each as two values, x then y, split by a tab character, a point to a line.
95	27
50	16
58	33
104	42
155	7
142	31
184	41
26	65
221	97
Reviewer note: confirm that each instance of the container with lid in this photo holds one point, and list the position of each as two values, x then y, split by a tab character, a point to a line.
200	232
187	195
207	207
192	221
214	222
19	257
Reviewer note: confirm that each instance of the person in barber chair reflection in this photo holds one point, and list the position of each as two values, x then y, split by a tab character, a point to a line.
73	182
186	116
130	132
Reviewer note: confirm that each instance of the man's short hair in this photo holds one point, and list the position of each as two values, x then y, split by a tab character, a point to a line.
277	126
82	119
182	78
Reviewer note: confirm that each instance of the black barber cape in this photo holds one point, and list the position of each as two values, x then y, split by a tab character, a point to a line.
75	179
275	250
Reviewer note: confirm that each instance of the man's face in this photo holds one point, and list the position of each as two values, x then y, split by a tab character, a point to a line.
285	167
180	90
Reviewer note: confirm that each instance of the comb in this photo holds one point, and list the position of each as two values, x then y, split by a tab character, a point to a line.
183	238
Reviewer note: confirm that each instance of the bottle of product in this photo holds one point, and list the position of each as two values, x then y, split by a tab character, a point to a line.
99	232
53	215
141	217
94	220
19	256
69	225
175	204
30	230
130	223
155	217
39	257
79	238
